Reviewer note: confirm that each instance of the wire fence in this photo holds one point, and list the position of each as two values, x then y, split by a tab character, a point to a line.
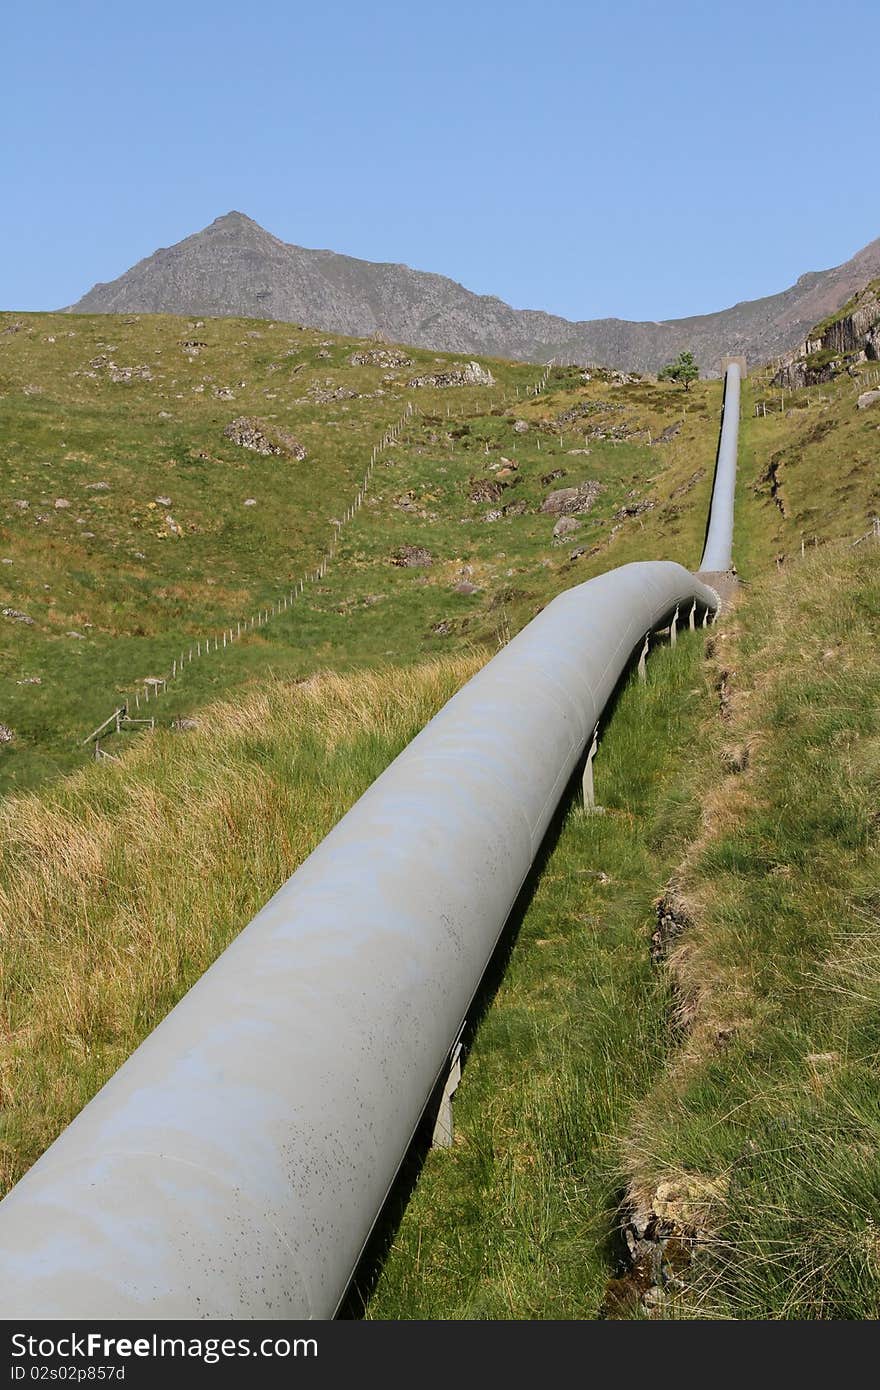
134	707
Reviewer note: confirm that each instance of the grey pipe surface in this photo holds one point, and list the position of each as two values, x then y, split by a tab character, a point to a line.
718	550
235	1165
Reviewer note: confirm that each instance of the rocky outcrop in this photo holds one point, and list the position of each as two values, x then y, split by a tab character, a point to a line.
836	345
412	557
570	501
263	438
468	374
380	357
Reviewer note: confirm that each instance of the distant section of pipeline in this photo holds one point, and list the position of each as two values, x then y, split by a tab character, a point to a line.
235	1165
718	550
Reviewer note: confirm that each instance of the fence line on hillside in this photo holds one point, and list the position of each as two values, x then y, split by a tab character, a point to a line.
135	708
150	689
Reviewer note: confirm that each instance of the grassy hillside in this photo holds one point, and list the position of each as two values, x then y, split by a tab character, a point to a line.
140	579
756	1151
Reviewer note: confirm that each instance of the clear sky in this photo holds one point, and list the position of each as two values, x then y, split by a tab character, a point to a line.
626	158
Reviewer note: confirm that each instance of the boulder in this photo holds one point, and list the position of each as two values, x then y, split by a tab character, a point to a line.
868	398
569	501
565	526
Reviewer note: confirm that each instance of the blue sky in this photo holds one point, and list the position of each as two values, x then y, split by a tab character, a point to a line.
627	158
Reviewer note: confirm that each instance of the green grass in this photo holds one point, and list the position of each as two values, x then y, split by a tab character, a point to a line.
773	1095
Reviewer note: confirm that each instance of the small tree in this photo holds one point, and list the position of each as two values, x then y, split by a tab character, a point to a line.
683	369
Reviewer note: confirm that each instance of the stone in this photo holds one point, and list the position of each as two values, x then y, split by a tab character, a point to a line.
868	398
250	501
566	501
97	487
21	504
163	501
61	503
16	616
565	526
521	426
184	725
6	734
80	637
465	587
30	680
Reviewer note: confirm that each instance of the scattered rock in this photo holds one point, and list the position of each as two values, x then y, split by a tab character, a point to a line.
323	395
380	357
670	433
868	398
567	501
412	557
485	490
21	504
521	426
673	920
141	373
467	374
576	554
263	438
30	680
174	527
691	482
633	509
16	616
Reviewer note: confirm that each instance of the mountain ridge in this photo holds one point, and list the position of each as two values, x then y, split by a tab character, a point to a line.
234	267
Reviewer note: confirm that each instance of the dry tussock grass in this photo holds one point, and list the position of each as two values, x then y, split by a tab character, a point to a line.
121	884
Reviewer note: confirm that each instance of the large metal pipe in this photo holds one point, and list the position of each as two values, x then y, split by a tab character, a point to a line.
718	550
235	1164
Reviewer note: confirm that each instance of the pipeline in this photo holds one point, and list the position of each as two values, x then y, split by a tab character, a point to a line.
718	550
235	1165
